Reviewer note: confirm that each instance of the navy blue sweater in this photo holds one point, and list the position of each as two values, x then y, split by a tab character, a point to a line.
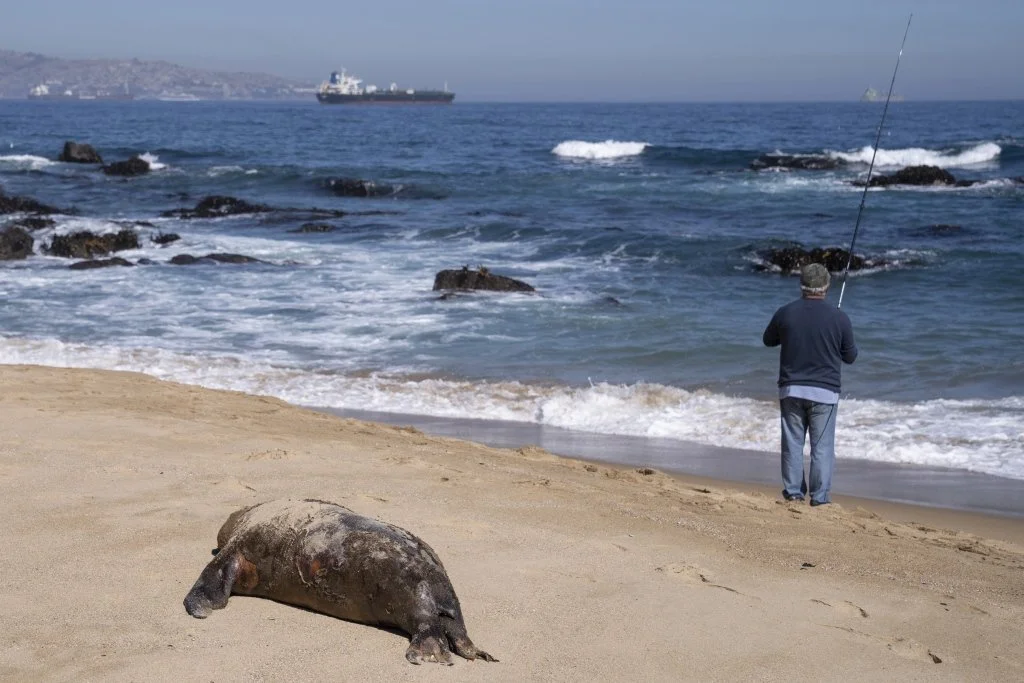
815	337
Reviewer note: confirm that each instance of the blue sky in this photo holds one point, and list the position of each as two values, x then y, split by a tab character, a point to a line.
558	50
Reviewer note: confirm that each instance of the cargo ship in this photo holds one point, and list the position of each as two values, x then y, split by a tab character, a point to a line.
344	89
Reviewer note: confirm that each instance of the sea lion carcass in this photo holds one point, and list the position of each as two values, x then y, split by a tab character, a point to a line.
326	558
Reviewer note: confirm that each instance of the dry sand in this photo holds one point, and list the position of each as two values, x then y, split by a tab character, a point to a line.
114	485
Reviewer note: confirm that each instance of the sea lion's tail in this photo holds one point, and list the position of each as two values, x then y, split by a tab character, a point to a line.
455	631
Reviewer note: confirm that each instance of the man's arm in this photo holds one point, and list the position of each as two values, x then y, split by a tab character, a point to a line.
848	349
771	335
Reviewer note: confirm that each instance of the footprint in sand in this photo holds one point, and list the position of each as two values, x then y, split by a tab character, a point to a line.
233	485
911	649
846	608
904	647
692	575
272	454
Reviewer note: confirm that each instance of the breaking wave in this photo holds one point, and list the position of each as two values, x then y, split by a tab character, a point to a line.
917	156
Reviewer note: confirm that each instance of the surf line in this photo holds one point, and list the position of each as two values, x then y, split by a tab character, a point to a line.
871	166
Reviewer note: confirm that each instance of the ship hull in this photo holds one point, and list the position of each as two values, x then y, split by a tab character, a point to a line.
419	97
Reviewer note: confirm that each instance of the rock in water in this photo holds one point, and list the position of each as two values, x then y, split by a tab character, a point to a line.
478	279
131	167
15	244
914	175
79	153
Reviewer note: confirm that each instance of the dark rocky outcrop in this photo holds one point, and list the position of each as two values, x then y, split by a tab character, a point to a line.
24	204
100	263
79	153
165	238
800	162
189	259
915	175
130	167
217	206
15	244
314	227
356	187
481	278
792	258
85	245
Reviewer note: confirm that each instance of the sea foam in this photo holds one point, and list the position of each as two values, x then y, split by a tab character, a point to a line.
609	149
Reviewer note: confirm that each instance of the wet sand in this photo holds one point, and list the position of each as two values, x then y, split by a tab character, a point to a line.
115	484
913	484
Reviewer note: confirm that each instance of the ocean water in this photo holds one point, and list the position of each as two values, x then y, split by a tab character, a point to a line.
639	225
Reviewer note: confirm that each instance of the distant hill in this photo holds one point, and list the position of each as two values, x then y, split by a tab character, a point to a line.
22	71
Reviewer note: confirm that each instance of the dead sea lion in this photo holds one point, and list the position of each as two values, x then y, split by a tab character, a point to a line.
326	558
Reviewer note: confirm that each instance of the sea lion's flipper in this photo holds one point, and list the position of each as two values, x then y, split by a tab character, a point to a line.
213	587
429	644
461	644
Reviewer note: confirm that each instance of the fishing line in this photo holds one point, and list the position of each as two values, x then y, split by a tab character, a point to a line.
863	199
871	166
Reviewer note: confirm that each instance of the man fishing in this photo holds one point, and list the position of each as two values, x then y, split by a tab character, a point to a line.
816	339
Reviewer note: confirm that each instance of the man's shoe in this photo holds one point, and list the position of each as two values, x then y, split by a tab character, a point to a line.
794	499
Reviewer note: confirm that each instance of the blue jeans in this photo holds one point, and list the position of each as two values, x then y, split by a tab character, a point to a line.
800	416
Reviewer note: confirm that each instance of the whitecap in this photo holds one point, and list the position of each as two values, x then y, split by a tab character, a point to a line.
609	149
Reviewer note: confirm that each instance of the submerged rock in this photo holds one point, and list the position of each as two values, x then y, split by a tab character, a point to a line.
100	263
217	206
85	244
79	153
481	278
130	167
800	162
189	259
15	244
33	223
356	187
937	230
165	238
314	227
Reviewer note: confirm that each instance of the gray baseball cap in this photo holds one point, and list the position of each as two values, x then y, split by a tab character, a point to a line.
814	276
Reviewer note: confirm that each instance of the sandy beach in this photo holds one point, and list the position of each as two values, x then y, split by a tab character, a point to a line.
114	486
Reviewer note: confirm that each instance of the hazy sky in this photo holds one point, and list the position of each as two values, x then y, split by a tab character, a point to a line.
554	50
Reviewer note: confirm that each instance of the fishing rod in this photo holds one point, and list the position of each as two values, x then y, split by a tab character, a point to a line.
871	166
